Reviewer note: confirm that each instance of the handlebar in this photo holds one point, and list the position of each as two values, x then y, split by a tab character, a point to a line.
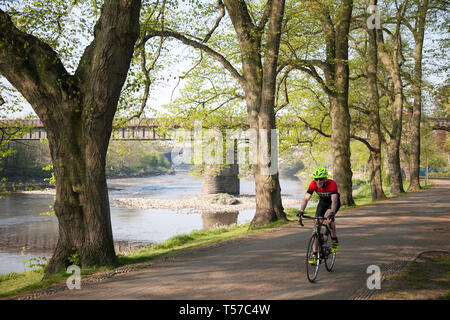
300	222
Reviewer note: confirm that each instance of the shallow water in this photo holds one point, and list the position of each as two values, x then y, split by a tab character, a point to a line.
21	224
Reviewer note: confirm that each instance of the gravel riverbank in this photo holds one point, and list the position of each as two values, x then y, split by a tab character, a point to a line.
198	203
190	204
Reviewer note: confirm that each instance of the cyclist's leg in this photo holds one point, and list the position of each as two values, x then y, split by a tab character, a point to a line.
322	207
332	224
332	227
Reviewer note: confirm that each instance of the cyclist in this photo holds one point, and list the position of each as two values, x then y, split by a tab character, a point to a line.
328	205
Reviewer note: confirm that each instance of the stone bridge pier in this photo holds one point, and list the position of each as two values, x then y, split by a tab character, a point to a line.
221	179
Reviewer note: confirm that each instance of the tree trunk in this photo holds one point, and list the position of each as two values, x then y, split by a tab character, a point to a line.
393	150
267	186
340	146
339	113
77	112
82	205
376	185
395	173
414	162
390	61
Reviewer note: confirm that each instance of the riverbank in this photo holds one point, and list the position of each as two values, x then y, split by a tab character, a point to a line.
220	203
27	185
187	204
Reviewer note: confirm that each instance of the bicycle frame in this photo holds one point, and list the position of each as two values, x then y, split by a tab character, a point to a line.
318	242
317	225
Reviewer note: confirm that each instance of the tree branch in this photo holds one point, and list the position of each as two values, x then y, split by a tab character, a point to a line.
318	130
368	145
216	25
147	81
198	45
30	65
265	16
119	21
308	67
282	82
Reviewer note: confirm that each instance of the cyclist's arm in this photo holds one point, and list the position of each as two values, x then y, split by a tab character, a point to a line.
334	202
305	201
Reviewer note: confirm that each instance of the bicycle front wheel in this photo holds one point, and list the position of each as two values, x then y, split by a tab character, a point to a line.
312	260
330	257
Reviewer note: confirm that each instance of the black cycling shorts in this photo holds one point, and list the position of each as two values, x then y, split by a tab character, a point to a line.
323	206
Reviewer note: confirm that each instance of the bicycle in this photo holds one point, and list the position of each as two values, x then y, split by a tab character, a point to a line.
323	252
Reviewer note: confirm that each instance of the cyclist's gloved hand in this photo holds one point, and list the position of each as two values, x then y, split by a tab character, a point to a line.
299	217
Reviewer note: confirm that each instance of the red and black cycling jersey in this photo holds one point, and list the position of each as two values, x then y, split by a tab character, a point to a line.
325	192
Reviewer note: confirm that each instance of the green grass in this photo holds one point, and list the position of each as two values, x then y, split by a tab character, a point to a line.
15	283
431	274
364	195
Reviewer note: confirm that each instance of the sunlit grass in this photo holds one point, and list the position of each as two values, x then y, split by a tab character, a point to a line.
364	196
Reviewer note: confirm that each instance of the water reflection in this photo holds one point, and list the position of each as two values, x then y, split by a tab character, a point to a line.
213	220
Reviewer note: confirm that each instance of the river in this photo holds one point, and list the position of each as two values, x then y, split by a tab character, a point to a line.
22	225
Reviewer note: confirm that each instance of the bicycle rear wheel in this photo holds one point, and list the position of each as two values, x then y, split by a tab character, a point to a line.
312	269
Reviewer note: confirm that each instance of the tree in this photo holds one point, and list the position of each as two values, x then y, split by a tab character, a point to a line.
390	57
370	106
336	84
258	49
374	116
416	22
77	111
418	32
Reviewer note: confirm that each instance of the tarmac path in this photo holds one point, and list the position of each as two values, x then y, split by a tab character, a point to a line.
271	264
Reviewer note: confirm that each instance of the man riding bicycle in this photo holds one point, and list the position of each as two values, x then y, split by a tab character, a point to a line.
329	202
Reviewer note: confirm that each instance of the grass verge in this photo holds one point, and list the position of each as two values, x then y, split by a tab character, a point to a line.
16	283
426	278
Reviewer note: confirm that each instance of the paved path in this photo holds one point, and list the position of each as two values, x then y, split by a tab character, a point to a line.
270	264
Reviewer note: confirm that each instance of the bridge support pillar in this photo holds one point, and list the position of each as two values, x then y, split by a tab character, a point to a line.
221	180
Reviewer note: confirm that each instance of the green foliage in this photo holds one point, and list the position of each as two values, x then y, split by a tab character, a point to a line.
37	264
125	159
74	258
64	25
52	179
26	160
